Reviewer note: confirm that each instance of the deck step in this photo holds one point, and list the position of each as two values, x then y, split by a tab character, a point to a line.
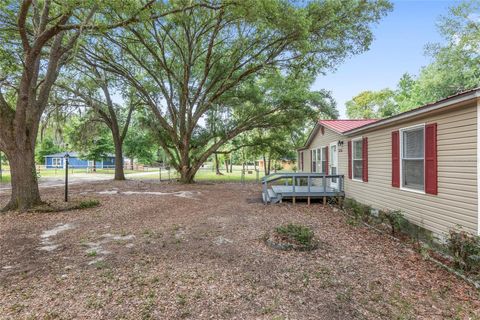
271	197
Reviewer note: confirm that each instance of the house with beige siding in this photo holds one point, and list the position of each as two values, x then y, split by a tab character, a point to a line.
424	162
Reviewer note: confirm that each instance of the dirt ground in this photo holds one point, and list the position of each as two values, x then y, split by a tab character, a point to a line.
172	251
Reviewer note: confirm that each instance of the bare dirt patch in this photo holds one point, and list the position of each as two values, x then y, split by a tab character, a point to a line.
143	255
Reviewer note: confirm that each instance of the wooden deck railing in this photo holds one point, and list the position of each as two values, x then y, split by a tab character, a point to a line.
299	190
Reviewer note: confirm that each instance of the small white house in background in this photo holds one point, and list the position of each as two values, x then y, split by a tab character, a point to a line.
424	162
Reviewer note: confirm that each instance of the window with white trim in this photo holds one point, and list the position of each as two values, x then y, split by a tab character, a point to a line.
412	158
57	162
357	159
314	160
324	159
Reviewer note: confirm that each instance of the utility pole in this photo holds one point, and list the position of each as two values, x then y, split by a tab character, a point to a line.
67	156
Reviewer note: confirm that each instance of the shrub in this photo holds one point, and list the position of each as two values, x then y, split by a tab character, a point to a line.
395	220
296	233
465	248
359	211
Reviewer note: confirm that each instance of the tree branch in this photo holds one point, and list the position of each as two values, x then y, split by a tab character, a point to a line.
22	18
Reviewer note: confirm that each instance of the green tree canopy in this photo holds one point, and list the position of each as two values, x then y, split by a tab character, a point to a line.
188	64
372	105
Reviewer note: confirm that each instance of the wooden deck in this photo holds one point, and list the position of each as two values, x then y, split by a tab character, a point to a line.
302	191
296	189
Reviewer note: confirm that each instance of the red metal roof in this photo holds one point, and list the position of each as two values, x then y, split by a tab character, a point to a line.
342	126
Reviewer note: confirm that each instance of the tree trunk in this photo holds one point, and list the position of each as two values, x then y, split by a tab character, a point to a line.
119	172
131	163
217	165
25	192
187	175
269	165
231	166
226	165
265	165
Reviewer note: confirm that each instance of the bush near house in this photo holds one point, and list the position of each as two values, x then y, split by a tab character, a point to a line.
465	249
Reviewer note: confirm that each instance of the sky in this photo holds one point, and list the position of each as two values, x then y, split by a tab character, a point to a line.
398	47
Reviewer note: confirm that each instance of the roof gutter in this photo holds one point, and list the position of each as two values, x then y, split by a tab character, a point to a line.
416	112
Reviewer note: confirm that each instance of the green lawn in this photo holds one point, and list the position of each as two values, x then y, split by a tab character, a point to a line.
42	173
235	176
206	175
152	174
5	178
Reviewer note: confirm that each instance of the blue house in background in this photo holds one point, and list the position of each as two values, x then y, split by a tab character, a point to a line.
57	160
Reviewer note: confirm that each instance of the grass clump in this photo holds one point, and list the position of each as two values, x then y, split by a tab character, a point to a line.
296	232
85	204
292	237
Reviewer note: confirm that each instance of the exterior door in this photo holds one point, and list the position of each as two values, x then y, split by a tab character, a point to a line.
333	164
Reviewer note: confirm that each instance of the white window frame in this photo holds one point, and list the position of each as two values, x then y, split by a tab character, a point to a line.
318	159
353	158
57	162
401	130
323	160
313	158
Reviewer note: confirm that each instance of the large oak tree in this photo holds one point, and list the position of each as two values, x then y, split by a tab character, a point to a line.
183	65
38	38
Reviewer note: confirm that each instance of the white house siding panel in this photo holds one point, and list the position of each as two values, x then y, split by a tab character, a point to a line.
457	199
322	140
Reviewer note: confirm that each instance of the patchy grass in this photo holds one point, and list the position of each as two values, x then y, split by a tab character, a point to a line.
59	206
85	204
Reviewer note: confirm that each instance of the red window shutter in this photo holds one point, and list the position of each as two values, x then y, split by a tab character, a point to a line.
431	179
396	159
349	159
326	160
365	159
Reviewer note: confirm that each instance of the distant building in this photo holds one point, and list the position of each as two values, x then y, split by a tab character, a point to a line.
285	164
57	160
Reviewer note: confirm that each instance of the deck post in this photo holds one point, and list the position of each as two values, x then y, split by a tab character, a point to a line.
265	190
324	189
